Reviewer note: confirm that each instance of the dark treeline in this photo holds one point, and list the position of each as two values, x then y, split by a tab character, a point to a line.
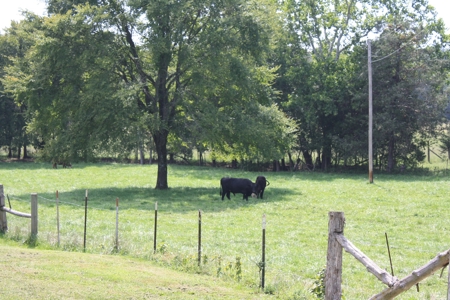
279	84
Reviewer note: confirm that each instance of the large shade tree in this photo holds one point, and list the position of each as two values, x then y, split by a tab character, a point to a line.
68	84
186	53
124	67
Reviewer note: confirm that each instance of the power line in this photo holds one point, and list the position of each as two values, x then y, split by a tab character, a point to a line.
373	61
414	36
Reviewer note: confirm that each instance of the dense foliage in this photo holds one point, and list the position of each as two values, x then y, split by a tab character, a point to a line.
247	80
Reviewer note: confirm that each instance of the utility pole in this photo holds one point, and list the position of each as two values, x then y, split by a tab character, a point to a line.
369	58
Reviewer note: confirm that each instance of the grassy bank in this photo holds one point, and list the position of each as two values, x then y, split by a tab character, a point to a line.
411	209
52	274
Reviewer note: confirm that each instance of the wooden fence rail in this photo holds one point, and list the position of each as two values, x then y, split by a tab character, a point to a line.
333	275
33	215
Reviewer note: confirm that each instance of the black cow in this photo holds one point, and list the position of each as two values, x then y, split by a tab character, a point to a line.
260	185
237	185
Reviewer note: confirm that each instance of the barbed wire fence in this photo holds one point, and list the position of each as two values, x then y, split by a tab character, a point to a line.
70	230
110	241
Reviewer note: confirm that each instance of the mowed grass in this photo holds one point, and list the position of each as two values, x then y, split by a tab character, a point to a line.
52	274
411	209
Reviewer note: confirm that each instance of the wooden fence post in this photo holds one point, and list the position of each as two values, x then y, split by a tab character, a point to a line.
34	214
57	217
117	224
333	275
263	259
199	237
155	227
448	281
85	220
3	222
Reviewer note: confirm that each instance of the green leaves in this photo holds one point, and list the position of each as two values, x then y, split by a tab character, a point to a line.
206	74
96	75
408	78
68	84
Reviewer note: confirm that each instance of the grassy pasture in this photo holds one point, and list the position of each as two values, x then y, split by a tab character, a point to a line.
411	209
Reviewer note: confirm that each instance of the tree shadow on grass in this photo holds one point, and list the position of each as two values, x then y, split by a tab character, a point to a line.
177	200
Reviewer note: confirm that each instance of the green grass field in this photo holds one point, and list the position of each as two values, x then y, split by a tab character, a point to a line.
411	209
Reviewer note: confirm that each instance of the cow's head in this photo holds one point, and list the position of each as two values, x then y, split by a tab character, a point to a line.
254	190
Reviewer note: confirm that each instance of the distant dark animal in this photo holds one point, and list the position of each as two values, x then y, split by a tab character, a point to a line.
260	185
237	185
64	164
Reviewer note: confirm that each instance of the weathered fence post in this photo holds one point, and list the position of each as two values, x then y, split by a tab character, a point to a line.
448	283
34	214
57	216
3	222
199	237
155	230
117	224
263	259
85	220
333	275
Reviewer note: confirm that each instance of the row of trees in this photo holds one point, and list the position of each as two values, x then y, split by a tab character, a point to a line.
254	80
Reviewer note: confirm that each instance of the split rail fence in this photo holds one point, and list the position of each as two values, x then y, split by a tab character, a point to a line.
333	275
33	215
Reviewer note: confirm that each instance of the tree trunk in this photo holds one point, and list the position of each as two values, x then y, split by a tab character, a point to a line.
327	147
234	164
391	162
136	155
141	148
308	159
276	165
283	165
291	162
141	152
160	139
326	156
25	152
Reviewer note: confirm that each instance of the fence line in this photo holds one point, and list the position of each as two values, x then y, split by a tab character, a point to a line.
65	202
336	243
261	265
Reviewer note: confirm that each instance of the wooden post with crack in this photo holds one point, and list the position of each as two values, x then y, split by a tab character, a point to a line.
333	274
